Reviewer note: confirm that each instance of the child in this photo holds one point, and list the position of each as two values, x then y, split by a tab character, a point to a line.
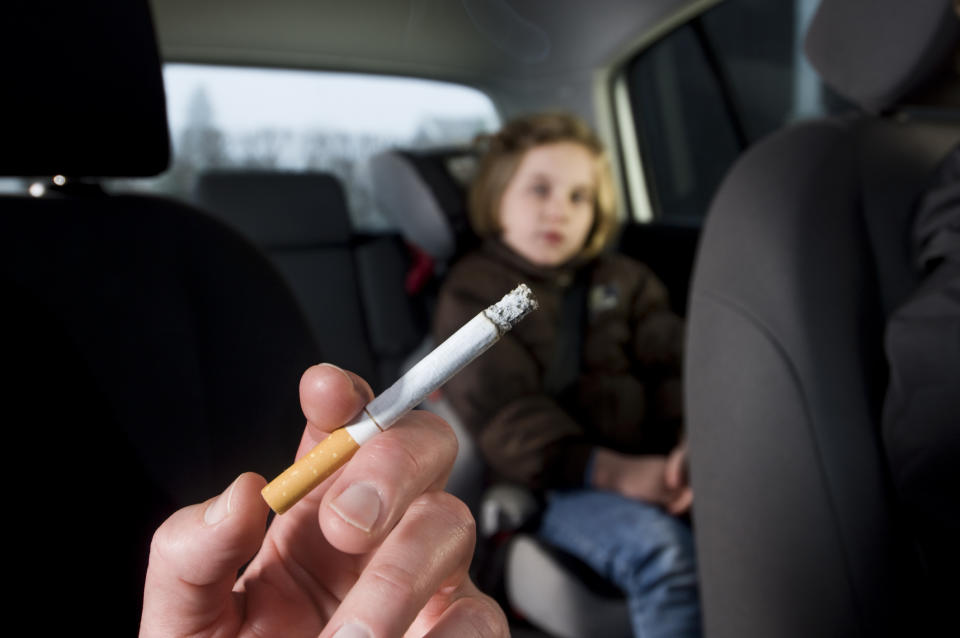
582	400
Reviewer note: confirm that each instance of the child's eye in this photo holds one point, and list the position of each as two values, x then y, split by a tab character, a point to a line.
540	189
580	197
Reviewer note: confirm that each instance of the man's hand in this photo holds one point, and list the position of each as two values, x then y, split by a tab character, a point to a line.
377	550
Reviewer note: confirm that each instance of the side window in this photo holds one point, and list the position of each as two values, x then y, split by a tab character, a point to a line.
290	120
685	130
707	90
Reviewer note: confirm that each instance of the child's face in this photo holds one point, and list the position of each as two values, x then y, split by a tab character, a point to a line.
547	208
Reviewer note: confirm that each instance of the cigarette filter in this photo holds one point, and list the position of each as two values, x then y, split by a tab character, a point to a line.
431	372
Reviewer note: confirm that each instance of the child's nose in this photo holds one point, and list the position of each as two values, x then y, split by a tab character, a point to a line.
557	209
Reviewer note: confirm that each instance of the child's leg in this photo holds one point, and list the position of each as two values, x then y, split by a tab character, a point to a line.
640	548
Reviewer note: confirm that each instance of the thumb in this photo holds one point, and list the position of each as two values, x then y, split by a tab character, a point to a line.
194	559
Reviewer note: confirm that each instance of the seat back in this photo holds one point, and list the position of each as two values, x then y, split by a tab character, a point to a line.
301	221
154	354
350	286
803	256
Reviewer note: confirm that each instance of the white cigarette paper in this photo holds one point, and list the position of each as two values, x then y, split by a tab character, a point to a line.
431	372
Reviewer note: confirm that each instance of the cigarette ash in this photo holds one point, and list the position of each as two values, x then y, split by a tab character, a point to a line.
514	306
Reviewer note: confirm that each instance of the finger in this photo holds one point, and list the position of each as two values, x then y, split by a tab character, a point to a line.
194	559
671	475
383	478
429	549
681	502
675	470
468	614
331	396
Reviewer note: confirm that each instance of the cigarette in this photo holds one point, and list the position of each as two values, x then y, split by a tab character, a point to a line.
431	372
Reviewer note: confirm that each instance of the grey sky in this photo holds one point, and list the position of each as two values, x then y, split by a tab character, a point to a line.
248	99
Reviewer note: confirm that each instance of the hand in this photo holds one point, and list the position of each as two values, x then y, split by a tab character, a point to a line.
640	477
377	550
677	479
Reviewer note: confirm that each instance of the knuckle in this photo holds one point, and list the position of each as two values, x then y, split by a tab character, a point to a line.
438	423
394	581
444	439
166	546
395	458
422	447
480	616
449	511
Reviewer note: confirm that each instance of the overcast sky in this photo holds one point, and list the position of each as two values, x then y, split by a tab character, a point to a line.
248	99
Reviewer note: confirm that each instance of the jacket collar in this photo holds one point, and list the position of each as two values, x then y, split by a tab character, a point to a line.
560	275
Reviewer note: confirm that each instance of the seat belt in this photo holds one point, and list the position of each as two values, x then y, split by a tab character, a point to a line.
564	369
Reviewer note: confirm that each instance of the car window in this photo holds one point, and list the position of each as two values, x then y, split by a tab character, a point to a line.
289	120
707	90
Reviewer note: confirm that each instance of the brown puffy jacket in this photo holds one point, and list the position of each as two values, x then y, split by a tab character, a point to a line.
627	396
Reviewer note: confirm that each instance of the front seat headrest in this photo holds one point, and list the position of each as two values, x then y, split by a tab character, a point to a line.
876	53
84	91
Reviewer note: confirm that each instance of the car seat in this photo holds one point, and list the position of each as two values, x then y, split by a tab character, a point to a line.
301	221
424	193
152	353
803	257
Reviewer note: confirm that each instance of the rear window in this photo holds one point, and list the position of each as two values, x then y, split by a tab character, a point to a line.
229	117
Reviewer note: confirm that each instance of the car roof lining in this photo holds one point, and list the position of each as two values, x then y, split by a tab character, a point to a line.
492	43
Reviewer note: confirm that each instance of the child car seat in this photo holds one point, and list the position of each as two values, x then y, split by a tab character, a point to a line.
424	193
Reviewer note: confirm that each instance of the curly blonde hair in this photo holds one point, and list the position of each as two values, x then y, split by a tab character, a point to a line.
503	152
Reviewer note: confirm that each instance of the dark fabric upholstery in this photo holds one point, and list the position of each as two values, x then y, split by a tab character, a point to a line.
156	356
668	249
152	353
803	259
301	221
278	211
877	52
922	408
83	91
395	324
796	274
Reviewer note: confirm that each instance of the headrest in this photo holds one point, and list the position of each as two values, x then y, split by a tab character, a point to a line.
278	210
424	193
83	90
877	52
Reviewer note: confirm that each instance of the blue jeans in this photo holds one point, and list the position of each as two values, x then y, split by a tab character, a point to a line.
643	550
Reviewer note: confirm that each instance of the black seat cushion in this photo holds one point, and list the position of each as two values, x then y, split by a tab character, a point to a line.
156	356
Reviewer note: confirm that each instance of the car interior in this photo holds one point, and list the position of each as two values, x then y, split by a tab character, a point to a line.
768	157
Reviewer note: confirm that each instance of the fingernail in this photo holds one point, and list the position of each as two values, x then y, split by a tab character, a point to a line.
220	508
352	630
343	372
358	505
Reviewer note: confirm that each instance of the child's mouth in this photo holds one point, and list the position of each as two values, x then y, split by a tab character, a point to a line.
552	237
